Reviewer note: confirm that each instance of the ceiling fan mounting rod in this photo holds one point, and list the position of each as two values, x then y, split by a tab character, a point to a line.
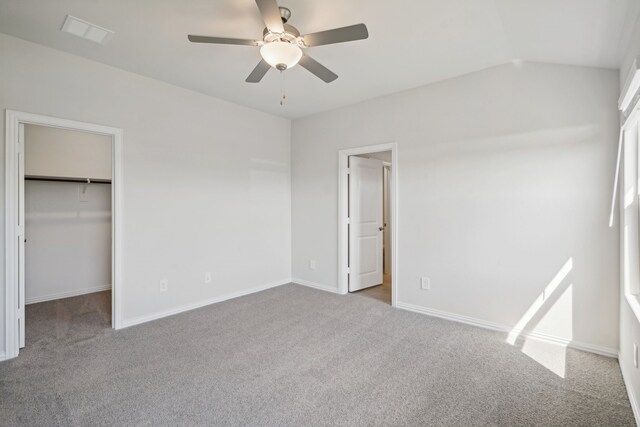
285	14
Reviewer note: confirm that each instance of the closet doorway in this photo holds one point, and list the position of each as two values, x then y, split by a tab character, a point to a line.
63	222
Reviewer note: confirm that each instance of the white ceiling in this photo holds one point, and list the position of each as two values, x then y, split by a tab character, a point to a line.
411	43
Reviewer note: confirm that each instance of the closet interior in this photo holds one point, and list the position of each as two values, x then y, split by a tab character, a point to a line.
68	232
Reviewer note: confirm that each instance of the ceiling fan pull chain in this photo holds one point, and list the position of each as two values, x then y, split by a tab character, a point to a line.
283	96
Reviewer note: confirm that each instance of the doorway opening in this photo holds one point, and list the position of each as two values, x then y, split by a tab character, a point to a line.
368	227
63	225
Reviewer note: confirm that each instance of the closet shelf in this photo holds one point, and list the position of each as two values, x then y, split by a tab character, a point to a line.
61	179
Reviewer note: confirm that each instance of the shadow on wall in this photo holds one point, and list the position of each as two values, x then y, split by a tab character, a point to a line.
552	310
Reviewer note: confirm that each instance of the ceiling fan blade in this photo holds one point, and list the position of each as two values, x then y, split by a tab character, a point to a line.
258	73
318	69
337	35
221	40
271	15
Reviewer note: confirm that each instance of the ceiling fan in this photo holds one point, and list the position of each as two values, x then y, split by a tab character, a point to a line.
282	45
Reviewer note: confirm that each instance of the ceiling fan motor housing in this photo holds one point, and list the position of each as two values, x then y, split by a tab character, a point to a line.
291	33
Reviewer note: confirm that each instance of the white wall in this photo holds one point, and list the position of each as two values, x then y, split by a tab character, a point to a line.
206	182
504	182
68	249
53	152
629	322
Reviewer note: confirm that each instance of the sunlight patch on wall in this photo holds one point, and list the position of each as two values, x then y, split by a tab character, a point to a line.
558	322
539	302
550	318
557	317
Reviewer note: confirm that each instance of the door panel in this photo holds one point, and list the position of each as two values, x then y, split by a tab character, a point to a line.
365	223
368	248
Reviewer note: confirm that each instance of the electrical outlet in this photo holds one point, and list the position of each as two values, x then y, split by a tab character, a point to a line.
425	283
635	355
164	285
207	277
312	264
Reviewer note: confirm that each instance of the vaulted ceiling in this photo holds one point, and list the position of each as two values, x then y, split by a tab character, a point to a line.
411	43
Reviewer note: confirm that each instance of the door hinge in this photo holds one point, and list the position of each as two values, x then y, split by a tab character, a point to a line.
348	270
20	312
20	230
348	171
348	220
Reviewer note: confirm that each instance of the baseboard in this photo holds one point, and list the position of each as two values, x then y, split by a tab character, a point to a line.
315	285
591	348
3	356
149	317
522	334
451	316
68	294
632	396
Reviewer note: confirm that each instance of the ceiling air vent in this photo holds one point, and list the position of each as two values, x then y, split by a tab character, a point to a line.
86	30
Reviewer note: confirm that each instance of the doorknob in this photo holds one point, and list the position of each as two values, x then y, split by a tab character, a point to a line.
380	228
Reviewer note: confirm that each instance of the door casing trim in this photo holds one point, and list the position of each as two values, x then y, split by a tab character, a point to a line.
13	120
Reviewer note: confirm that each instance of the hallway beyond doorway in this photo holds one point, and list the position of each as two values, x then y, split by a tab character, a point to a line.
380	292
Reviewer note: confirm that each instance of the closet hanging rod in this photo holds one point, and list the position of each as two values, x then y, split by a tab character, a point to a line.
76	180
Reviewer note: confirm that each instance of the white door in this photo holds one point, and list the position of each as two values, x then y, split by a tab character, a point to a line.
21	235
365	223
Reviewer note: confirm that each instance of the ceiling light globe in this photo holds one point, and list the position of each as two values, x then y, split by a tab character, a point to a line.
281	55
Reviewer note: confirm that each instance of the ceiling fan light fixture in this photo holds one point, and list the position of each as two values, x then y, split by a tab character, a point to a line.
282	43
281	55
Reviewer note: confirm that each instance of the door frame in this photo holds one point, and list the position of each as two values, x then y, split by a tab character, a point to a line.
12	192
343	214
386	167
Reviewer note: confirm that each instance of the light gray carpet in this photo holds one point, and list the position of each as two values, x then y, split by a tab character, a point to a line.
293	356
